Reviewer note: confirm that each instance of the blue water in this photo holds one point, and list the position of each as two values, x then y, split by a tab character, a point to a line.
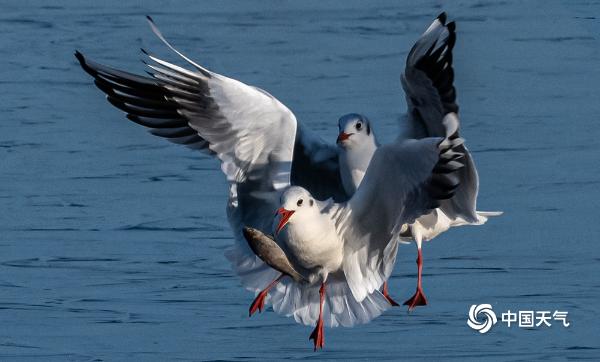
111	240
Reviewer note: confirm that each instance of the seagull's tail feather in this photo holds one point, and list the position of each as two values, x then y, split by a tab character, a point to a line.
340	308
301	300
482	218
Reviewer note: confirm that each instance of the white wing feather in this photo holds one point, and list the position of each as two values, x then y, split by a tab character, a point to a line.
394	192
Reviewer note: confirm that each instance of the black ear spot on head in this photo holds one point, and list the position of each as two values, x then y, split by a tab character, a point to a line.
311	202
368	128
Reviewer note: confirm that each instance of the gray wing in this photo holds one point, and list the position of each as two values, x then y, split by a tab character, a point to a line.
248	130
316	166
428	82
405	179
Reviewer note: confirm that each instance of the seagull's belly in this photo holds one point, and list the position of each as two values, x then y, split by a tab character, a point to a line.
430	225
320	252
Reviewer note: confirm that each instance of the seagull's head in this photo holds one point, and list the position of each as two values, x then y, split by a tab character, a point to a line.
355	131
297	205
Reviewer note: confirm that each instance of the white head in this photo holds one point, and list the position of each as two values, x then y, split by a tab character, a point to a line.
355	132
297	206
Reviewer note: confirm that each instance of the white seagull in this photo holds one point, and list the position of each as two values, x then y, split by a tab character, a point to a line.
263	150
431	98
349	248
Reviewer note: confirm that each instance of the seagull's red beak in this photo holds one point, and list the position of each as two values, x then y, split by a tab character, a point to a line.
343	136
285	217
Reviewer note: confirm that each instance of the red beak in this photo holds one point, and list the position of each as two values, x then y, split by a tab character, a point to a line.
285	216
343	136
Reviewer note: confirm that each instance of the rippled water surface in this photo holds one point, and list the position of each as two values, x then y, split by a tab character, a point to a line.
111	240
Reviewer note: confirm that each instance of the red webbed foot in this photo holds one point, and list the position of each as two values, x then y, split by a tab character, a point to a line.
387	295
259	303
318	335
418	299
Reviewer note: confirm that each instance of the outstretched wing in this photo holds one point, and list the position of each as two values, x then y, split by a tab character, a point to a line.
256	138
428	82
241	124
246	128
250	132
404	180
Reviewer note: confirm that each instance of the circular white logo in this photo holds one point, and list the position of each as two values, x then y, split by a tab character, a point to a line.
490	317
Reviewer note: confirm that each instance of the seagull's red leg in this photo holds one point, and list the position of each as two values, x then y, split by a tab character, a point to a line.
259	301
318	335
419	297
386	294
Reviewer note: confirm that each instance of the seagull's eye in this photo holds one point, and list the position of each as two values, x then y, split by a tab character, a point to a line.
299	203
358	126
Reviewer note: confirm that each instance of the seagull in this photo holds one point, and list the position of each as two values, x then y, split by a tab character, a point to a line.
431	98
347	249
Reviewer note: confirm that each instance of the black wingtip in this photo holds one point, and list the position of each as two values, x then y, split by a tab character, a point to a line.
442	17
150	19
451	26
144	51
83	63
79	57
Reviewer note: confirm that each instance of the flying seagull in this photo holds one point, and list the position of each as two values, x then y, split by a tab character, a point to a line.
347	249
431	98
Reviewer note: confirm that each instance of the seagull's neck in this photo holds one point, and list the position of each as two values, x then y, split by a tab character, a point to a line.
313	242
310	229
353	164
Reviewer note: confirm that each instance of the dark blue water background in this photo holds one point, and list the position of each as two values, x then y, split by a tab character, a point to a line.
111	240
